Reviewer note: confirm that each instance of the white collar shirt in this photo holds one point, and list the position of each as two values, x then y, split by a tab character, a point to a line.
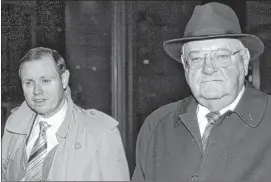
55	122
202	111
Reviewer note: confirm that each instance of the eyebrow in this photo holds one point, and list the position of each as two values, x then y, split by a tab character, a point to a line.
47	77
43	77
27	79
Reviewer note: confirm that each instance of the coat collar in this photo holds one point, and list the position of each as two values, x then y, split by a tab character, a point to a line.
188	115
66	125
21	120
252	106
186	111
250	109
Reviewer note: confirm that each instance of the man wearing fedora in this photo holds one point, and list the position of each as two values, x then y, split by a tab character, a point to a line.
221	132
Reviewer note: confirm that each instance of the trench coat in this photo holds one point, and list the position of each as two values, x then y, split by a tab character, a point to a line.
169	146
90	147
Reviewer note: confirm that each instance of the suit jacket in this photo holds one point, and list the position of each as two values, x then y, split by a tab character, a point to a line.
169	144
90	147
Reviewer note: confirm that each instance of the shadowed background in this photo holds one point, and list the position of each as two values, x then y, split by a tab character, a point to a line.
114	52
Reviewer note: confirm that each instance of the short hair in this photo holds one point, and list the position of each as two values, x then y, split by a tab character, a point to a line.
36	54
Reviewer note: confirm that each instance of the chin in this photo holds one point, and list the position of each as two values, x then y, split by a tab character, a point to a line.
41	109
42	112
211	96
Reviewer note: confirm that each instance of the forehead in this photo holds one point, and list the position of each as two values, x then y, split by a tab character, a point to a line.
42	67
212	44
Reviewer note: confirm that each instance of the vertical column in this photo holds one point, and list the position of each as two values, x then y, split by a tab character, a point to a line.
131	136
118	76
122	74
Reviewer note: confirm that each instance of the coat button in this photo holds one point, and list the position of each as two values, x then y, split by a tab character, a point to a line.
194	177
92	112
77	145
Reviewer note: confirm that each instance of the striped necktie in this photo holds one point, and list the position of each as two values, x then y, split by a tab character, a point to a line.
212	118
37	155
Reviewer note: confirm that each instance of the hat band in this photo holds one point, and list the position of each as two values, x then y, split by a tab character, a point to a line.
209	31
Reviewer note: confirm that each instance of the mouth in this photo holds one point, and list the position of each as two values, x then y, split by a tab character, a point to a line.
39	101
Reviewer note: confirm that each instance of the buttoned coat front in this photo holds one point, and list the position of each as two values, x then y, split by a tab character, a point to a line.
90	147
169	146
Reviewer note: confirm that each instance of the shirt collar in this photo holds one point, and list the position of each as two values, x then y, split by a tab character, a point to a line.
56	120
204	110
250	108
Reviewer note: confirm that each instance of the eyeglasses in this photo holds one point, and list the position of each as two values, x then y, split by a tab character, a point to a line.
222	57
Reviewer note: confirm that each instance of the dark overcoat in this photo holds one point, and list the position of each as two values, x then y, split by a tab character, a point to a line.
169	144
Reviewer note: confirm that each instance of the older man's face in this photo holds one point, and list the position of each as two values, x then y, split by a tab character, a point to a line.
43	86
214	78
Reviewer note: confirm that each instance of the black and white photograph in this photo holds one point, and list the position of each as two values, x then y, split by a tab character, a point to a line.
135	90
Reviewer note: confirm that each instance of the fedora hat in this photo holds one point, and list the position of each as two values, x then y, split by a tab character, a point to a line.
211	21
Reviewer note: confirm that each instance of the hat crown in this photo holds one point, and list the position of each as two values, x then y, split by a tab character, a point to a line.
212	19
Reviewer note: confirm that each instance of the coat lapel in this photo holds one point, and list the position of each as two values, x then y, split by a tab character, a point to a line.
68	122
188	116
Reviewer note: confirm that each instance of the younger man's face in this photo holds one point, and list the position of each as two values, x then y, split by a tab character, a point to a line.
43	86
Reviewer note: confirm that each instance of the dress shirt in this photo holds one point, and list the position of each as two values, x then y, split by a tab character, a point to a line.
202	111
55	122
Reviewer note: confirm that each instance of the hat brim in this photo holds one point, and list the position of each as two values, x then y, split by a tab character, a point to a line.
254	44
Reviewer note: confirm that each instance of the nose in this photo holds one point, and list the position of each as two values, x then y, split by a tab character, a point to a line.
209	68
37	89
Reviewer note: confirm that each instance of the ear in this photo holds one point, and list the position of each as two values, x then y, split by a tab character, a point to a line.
183	62
185	67
246	57
65	79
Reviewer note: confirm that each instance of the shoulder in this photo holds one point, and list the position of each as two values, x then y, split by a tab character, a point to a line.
163	116
95	124
104	119
159	115
95	118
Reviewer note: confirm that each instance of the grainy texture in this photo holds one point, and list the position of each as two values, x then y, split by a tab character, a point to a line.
88	50
19	21
82	34
26	24
158	78
259	23
16	39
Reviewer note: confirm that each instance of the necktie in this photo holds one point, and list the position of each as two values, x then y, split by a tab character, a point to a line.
37	155
212	118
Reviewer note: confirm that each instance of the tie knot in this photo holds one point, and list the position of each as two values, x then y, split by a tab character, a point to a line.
43	126
212	117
